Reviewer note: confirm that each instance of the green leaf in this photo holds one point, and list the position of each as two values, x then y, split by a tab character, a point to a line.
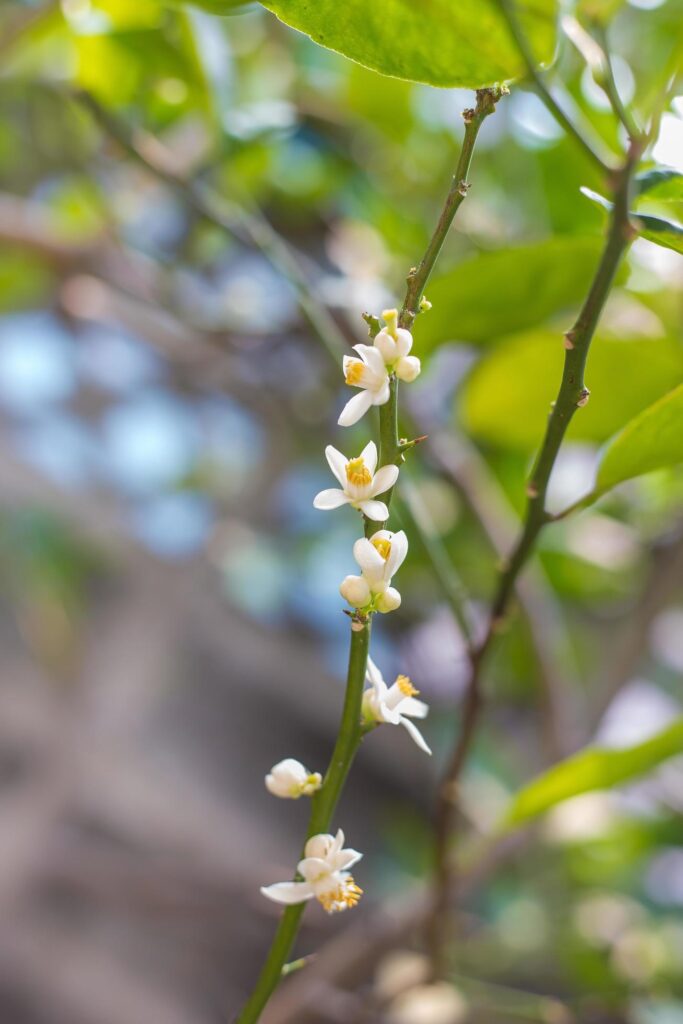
590	770
441	42
507	396
500	292
666	233
660	183
222	8
652	440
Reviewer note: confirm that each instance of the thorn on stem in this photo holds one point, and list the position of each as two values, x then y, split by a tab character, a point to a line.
569	339
582	400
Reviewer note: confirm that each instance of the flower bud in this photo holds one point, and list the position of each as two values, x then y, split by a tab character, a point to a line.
356	591
389	601
408	368
289	780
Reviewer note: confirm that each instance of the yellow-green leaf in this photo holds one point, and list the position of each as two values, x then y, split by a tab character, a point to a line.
652	440
441	42
593	769
507	397
497	293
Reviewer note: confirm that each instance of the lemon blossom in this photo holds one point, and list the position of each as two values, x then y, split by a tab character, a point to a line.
378	557
289	780
395	704
395	343
325	876
359	482
368	373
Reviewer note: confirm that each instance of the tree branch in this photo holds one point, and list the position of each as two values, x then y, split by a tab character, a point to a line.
572	395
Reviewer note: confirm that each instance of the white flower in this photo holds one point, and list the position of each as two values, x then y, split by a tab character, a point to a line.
379	558
325	876
394	704
289	780
395	343
368	373
359	482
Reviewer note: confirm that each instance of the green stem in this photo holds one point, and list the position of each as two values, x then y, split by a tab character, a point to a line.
418	276
593	149
572	395
323	806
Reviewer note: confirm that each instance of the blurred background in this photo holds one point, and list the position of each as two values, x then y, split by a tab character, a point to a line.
170	620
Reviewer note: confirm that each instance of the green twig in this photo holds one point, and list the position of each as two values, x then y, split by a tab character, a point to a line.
592	148
418	276
572	395
323	806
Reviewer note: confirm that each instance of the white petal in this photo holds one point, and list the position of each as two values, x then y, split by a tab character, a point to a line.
355	409
288	892
313	867
404	342
329	499
375	510
387	346
369	456
414	708
389	601
389	714
415	734
368	557
380	395
346	859
408	368
337	843
399	550
385	478
337	463
319	846
373	674
373	358
355	590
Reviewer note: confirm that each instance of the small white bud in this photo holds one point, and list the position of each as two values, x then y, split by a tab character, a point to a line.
289	780
408	368
356	591
389	601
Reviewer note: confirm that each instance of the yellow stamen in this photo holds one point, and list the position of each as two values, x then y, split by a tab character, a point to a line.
406	687
383	546
354	372
357	473
344	896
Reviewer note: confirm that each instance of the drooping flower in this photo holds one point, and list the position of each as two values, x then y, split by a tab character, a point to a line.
370	375
395	343
324	870
359	483
378	557
289	780
395	704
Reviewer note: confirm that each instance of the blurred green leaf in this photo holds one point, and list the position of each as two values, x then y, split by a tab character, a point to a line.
590	770
219	7
660	183
442	43
500	292
508	394
651	441
666	233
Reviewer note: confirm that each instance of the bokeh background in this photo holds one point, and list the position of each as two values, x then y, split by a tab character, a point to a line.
169	612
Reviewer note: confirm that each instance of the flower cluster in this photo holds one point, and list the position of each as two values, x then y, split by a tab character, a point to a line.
371	371
323	871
